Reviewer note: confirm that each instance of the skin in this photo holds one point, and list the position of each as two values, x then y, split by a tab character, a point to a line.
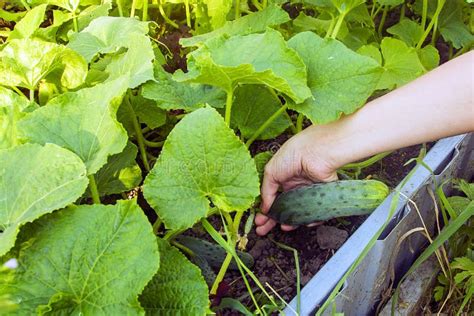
436	105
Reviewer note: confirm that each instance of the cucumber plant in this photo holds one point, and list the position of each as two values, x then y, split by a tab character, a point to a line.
89	115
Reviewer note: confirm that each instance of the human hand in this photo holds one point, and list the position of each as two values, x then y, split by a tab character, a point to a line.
302	160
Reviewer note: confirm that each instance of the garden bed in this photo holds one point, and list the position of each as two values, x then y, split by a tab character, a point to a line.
125	124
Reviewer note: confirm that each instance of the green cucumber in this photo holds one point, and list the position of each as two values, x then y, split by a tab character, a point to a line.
206	270
212	253
323	201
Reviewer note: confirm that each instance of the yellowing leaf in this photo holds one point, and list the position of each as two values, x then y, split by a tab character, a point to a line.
83	122
107	35
25	62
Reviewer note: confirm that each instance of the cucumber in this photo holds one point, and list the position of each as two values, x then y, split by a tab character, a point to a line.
323	201
212	253
206	270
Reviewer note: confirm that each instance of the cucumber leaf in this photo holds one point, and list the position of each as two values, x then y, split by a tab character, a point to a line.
24	62
35	180
201	160
86	259
261	160
340	79
217	11
102	37
401	64
252	106
147	112
429	57
344	6
256	22
11	111
179	276
251	59
172	95
408	31
29	23
120	173
81	122
452	27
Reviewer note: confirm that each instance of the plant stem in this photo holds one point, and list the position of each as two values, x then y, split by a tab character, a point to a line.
93	188
402	12
18	90
166	18
299	123
153	144
424	14
138	134
32	95
27	7
228	106
265	125
232	241
368	162
257	5
188	13
264	3
331	27
432	23
221	274
340	19
157	225
145	10
382	21
237	9
372	11
434	37
132	9
74	22
119	7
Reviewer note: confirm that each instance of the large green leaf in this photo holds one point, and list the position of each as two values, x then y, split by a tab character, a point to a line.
172	95
255	22
35	180
120	173
340	79
401	64
181	278
85	260
11	111
83	122
408	31
201	160
29	24
253	106
250	59
24	62
106	35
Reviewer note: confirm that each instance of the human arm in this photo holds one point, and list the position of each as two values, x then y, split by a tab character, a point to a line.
436	105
